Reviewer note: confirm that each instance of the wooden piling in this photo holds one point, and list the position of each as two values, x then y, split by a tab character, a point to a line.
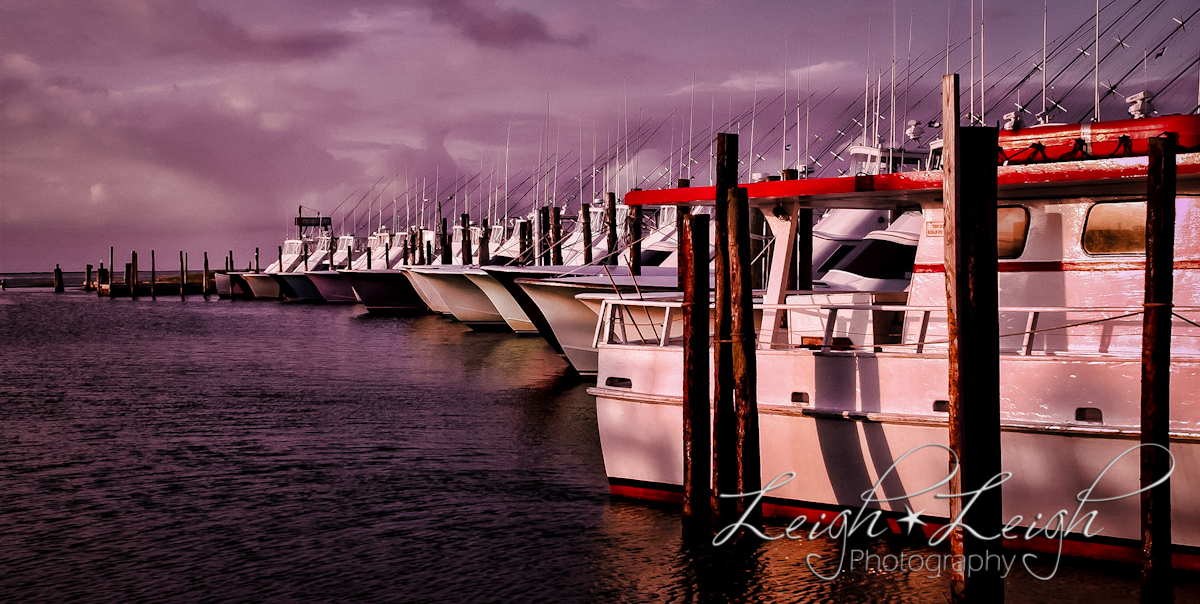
59	285
610	223
447	256
724	427
585	214
204	288
182	275
1156	371
697	433
112	266
128	276
153	277
556	236
87	279
133	276
387	254
103	276
526	244
543	235
969	193
682	212
747	463
485	243
467	256
635	240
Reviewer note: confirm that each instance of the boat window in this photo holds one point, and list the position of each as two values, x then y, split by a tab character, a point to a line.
1012	225
1116	228
881	259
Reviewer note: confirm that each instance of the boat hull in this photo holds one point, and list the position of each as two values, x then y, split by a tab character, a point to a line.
333	286
262	286
297	287
463	298
505	303
385	291
426	291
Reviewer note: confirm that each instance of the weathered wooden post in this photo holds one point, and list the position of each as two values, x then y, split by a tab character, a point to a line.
182	275
610	224
543	236
153	277
635	240
1156	371
103	276
134	276
724	426
467	256
447	255
556	236
748	465
204	279
387	254
59	285
280	269
969	193
585	214
485	243
697	431
112	266
256	265
526	244
87	279
128	275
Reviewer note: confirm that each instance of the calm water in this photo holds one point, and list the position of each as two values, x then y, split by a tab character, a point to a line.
255	451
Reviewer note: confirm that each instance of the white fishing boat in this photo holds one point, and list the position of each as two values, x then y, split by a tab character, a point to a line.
857	379
382	288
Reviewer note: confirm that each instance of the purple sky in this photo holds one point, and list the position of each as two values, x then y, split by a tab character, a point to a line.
202	125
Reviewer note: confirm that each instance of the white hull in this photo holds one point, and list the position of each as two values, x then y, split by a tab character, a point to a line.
504	302
262	286
426	291
462	297
866	410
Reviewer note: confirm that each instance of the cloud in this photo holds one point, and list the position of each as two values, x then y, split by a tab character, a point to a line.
488	24
125	29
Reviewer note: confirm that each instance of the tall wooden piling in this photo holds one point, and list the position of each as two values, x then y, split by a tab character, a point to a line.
112	266
485	243
585	214
525	238
635	240
153	277
59	285
387	254
87	279
543	236
467	256
556	255
1156	371
204	288
969	193
447	255
724	428
103	276
697	432
610	224
428	252
133	276
746	462
680	213
182	275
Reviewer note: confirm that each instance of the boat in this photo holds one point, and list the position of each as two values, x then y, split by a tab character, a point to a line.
381	288
858	378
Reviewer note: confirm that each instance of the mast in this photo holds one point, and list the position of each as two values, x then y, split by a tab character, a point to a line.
1045	14
783	159
1096	56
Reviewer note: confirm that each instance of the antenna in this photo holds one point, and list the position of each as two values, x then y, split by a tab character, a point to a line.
1096	56
753	113
1045	13
783	161
691	122
982	70
892	105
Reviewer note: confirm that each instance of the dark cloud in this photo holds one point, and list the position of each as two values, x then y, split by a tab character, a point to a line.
113	30
486	23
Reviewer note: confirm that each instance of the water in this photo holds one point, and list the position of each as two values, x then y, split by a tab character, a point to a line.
252	451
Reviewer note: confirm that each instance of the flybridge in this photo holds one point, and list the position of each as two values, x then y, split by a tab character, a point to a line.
1113	154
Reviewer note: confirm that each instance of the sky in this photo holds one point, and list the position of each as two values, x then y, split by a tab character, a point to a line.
205	125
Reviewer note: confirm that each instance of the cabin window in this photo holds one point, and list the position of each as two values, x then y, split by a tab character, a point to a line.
1116	228
1012	225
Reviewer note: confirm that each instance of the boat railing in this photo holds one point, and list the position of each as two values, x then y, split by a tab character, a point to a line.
849	329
